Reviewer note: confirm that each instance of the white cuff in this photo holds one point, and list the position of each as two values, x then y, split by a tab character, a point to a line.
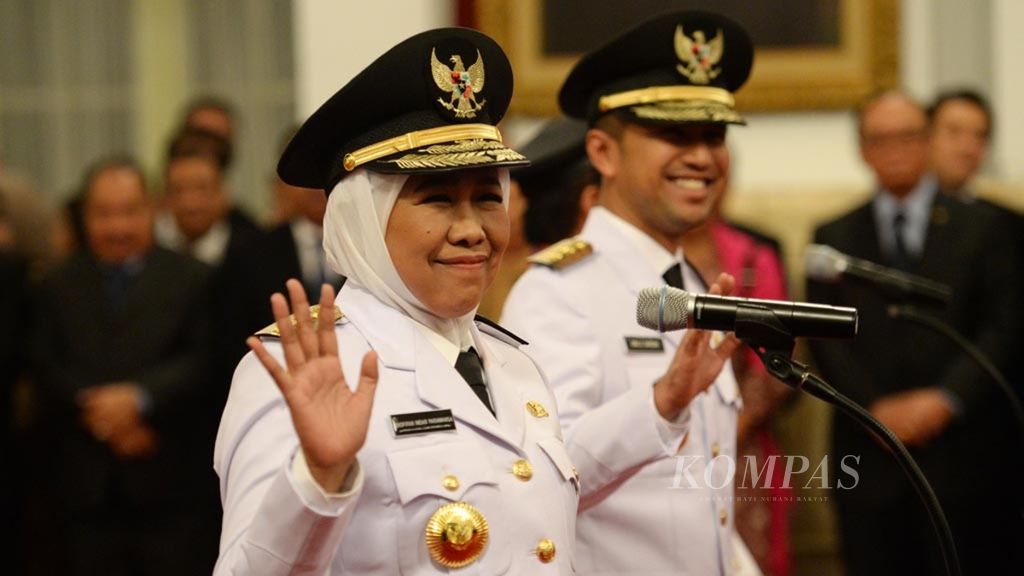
671	432
314	496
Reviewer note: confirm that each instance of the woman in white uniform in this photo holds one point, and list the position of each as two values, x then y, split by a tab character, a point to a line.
398	434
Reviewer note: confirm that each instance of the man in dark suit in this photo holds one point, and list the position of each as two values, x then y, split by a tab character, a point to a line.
294	248
916	382
119	353
959	133
12	311
200	218
200	221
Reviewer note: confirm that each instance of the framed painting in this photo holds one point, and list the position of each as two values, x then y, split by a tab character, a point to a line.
809	54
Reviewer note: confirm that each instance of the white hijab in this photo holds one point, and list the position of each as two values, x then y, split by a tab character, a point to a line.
355	223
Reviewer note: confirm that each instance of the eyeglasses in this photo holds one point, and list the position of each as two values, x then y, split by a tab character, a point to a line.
894	138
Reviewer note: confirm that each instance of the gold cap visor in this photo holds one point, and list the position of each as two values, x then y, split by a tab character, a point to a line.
437	150
675	104
697	111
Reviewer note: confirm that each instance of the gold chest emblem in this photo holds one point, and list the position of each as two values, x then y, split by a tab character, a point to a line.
698	56
461	83
456	535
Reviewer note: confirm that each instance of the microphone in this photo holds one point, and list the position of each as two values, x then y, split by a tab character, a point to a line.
826	264
666	309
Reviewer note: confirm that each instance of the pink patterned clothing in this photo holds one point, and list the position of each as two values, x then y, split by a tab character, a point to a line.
761	512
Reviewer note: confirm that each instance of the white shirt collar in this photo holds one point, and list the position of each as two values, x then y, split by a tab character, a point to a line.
916	207
450	352
209	248
212	246
308	240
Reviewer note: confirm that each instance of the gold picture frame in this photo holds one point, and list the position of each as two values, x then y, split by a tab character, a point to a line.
863	61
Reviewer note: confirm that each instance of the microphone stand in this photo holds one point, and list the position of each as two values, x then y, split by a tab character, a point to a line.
758	327
912	314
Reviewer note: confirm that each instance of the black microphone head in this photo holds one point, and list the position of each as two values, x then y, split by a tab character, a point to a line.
824	263
663	309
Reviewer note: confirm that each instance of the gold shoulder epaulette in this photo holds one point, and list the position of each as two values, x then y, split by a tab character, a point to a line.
563	253
314	314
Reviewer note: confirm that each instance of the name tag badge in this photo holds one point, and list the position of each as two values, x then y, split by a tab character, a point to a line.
422	422
644	344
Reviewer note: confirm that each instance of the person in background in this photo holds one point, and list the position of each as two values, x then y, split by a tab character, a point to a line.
560	184
285	198
549	201
200	221
959	133
28	224
69	230
28	507
119	357
13	311
216	116
915	381
762	510
295	247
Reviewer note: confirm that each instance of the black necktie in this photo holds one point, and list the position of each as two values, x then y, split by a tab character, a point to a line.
674	276
468	365
902	256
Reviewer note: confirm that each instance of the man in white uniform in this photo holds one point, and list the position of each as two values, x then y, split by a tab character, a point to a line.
649	418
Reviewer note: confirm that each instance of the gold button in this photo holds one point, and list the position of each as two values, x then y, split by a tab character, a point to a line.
522	470
545	550
723	516
715	450
536	409
450	482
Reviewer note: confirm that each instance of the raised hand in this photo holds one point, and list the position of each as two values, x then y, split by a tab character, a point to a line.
329	418
696	364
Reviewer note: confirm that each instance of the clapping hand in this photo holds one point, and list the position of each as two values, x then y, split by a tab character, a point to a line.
330	419
696	364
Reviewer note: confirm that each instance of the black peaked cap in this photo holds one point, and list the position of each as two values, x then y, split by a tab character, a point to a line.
679	49
558	145
444	78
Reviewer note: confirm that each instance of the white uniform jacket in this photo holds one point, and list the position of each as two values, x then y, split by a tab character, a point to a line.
270	528
648	507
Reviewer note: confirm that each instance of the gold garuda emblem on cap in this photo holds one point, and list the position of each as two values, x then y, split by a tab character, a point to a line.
697	56
463	84
456	534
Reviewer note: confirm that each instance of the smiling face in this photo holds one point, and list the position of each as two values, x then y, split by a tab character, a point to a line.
195	195
446	236
662	179
117	215
959	142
